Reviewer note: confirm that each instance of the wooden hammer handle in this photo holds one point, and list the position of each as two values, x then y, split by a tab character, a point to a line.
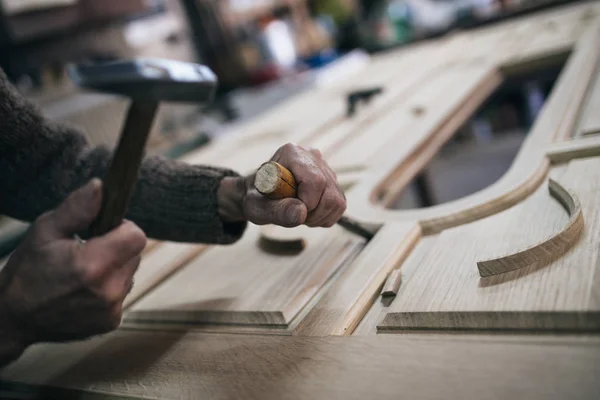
123	171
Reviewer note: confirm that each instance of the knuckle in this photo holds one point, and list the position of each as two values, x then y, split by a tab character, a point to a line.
92	273
316	152
289	147
341	203
320	179
136	238
329	224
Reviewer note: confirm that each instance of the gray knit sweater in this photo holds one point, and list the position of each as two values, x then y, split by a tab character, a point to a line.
42	162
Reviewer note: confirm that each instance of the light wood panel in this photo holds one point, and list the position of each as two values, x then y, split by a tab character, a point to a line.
445	291
368	325
242	284
161	261
197	366
349	299
556	122
562	152
590	123
556	245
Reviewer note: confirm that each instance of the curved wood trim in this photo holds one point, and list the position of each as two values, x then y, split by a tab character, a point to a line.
526	174
550	248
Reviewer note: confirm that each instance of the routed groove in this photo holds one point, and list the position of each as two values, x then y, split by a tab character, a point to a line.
551	248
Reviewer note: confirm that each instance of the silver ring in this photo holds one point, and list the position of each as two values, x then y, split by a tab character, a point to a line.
78	239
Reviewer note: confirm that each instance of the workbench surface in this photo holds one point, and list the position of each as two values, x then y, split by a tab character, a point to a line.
500	290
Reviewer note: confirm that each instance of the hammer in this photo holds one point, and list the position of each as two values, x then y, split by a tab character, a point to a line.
146	82
274	181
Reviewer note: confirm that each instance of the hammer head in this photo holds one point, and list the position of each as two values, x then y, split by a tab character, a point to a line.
149	79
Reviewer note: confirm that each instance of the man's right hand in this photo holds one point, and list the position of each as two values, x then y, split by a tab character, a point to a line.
55	288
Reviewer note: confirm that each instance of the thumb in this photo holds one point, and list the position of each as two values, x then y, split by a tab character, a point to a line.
288	213
79	209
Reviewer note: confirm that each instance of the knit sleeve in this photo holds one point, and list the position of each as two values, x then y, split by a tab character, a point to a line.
42	162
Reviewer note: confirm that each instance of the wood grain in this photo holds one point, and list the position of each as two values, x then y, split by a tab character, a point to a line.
571	149
242	284
551	248
392	284
444	291
348	300
368	324
159	264
590	122
197	366
556	122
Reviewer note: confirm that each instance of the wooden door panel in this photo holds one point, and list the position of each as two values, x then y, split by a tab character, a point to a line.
556	122
557	292
176	339
246	285
590	123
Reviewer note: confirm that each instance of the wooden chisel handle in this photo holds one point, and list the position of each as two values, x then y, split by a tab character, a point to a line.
276	182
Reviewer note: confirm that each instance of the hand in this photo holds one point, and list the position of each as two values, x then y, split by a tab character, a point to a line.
320	201
55	288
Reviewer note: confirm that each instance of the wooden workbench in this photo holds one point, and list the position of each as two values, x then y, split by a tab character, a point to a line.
500	292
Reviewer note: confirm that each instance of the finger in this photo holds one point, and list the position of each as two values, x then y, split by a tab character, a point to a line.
117	247
286	212
310	179
332	204
118	283
78	210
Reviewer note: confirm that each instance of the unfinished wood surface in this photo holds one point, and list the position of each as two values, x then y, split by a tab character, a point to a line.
439	93
243	284
348	300
590	123
556	121
197	366
562	152
553	247
444	291
392	284
162	261
368	324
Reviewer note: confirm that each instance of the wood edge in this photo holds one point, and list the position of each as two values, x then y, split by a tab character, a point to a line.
492	206
199	318
569	235
563	152
366	299
485	321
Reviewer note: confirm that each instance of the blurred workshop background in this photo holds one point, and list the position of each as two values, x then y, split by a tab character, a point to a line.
262	51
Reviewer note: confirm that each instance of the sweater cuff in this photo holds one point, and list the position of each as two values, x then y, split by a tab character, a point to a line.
178	202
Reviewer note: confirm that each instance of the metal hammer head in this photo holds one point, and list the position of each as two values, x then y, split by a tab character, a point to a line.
149	80
146	83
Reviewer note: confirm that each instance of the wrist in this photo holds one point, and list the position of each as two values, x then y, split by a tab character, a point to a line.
232	192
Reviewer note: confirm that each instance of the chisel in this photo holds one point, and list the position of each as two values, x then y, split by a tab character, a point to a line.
276	182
